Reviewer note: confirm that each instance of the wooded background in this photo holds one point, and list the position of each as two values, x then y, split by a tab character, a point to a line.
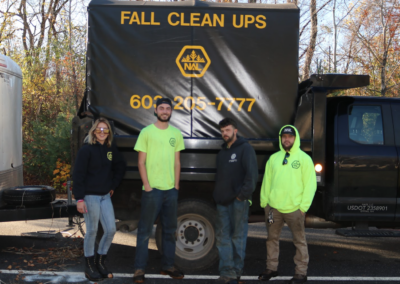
47	39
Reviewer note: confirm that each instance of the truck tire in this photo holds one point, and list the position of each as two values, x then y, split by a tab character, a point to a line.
29	195
195	236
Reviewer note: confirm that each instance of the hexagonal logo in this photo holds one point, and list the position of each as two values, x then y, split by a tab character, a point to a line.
193	61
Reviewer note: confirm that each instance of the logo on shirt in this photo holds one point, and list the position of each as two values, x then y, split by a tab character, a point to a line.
233	158
296	164
109	156
172	142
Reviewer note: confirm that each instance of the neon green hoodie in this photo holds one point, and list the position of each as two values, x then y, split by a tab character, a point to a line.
289	187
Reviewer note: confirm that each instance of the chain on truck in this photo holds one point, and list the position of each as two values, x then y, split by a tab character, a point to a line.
216	60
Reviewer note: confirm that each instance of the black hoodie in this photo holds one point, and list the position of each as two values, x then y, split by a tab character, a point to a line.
237	172
98	169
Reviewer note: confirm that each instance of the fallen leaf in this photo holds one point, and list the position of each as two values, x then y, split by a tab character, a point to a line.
25	260
9	267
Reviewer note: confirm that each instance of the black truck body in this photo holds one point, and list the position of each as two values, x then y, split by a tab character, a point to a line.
217	60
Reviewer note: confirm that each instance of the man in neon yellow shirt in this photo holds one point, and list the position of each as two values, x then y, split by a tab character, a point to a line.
287	192
159	147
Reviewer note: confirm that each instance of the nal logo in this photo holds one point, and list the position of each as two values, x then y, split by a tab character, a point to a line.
233	158
193	61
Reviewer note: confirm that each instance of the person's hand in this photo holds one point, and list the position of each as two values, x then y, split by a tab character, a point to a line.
81	207
177	186
302	213
111	192
147	188
238	198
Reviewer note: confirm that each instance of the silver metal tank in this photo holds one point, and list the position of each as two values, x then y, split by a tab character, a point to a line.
11	173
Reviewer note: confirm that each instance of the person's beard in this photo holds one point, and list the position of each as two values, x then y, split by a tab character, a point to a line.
163	120
229	138
287	148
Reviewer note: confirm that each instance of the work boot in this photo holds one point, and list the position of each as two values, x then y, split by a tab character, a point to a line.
91	272
173	273
226	280
138	276
298	279
267	274
101	267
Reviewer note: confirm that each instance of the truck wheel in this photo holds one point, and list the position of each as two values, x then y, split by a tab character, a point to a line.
29	195
195	236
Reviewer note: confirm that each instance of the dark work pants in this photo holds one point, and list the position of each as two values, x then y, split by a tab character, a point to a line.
154	203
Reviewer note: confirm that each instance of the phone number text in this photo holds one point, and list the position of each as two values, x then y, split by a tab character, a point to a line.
199	103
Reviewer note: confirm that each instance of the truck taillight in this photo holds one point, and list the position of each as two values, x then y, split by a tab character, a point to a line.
318	168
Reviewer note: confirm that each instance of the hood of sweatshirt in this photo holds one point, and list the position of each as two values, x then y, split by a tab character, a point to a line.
237	172
289	187
239	141
296	145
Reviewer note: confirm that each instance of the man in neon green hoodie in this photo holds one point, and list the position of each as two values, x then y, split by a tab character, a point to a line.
287	192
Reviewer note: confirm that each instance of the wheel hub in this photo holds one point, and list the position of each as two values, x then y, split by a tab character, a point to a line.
191	233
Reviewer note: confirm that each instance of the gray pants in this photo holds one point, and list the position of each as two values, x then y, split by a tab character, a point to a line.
295	221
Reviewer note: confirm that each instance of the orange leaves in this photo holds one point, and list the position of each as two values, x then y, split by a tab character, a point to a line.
61	175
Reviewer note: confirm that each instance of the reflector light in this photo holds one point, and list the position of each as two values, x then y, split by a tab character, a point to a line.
318	168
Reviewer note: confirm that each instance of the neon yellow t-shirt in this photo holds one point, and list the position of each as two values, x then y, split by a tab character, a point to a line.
160	146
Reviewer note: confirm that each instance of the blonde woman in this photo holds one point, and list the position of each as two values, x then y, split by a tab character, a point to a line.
98	170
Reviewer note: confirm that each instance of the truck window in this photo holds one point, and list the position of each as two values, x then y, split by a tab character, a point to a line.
365	124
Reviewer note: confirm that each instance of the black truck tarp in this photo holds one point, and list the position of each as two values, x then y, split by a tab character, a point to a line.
214	60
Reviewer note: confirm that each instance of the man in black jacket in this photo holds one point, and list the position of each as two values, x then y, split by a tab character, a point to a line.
236	179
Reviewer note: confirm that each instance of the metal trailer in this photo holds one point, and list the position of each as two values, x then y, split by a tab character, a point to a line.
10	124
11	166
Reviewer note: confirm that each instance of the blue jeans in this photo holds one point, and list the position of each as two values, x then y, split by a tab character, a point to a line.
231	236
99	208
154	203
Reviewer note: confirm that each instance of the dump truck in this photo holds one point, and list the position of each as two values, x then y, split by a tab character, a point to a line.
217	60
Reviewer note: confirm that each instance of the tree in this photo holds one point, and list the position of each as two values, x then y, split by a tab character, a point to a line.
7	22
375	28
313	39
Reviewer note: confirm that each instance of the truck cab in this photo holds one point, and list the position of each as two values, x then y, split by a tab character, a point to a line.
355	140
363	140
